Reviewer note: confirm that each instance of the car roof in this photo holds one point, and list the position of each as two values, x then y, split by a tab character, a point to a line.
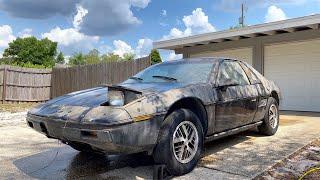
200	60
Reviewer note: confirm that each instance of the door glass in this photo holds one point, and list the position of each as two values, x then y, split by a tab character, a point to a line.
252	77
231	73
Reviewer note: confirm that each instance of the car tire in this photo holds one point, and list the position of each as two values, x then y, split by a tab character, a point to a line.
271	119
83	148
182	156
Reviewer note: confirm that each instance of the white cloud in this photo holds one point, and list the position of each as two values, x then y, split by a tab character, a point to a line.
196	23
92	17
27	32
6	36
107	18
275	14
174	56
144	47
77	19
121	48
140	3
164	13
70	40
68	36
174	33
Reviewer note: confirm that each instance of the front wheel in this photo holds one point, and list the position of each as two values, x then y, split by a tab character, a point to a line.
271	119
180	142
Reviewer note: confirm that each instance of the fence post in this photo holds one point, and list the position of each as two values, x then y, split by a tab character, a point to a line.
4	84
52	83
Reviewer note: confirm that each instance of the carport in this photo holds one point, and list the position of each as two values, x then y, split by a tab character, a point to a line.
286	52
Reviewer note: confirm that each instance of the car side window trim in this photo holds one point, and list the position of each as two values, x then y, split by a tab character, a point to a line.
243	79
247	71
214	73
249	79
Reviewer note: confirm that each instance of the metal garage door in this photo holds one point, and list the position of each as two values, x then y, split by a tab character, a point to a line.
244	54
295	67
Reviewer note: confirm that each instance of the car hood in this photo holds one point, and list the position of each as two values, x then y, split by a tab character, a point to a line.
152	87
79	103
75	103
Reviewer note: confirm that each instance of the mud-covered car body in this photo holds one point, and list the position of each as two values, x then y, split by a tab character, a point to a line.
87	116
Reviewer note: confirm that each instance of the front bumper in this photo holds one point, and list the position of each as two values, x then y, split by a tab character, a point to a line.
122	139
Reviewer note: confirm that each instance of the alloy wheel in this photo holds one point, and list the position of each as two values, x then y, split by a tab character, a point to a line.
185	142
273	116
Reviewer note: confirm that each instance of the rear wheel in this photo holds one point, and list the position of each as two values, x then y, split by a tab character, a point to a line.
180	142
271	119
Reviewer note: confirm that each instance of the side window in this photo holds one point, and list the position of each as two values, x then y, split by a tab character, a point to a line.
230	73
252	77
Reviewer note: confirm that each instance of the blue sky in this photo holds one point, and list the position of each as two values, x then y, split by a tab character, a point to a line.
132	25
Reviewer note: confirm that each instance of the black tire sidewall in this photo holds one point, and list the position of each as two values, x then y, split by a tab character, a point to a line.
266	128
164	153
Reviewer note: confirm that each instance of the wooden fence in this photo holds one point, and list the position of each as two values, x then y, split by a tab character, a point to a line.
65	80
24	84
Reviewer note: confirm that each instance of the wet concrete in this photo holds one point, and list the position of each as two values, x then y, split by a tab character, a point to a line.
26	154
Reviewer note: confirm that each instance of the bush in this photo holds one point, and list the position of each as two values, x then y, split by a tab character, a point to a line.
25	65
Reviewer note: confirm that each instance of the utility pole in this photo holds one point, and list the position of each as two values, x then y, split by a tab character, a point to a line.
241	19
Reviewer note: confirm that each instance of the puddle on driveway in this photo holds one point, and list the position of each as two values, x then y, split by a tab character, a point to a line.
71	164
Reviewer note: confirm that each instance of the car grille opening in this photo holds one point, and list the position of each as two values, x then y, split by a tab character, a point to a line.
89	134
30	124
43	128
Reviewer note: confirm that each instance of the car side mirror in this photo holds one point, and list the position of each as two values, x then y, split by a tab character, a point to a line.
227	83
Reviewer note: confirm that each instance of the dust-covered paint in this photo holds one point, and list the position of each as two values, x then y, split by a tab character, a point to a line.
87	117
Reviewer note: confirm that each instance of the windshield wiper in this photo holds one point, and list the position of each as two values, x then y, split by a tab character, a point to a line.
136	78
166	78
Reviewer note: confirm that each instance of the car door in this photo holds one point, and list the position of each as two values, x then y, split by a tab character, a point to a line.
236	103
261	98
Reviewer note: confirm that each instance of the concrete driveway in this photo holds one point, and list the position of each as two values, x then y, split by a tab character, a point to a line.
25	154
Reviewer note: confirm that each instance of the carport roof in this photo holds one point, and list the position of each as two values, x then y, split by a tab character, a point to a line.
266	29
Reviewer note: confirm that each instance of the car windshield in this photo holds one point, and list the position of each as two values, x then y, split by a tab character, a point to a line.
182	72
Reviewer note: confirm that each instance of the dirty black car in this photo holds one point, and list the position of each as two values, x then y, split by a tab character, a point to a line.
167	110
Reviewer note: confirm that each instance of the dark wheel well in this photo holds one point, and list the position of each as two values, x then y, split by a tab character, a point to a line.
275	96
196	106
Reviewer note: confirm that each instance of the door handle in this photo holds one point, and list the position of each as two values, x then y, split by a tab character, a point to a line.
254	100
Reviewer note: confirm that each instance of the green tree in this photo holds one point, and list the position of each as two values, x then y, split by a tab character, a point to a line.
60	58
30	50
237	26
77	59
155	56
93	57
128	56
110	57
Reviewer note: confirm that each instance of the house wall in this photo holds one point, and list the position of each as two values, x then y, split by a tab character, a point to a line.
258	44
